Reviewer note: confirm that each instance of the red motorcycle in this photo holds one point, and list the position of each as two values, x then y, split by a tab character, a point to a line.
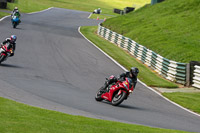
116	93
5	52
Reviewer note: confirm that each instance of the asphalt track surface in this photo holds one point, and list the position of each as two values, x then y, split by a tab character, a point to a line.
54	67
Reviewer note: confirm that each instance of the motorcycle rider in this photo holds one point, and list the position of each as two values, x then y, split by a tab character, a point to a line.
15	12
97	11
11	43
132	74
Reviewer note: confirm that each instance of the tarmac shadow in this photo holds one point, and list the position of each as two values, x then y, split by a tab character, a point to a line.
125	106
11	66
19	28
129	107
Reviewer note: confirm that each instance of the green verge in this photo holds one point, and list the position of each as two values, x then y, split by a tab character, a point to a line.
169	28
125	59
188	100
83	5
2	14
20	118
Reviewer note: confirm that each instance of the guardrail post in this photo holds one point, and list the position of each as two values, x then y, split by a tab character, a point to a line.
121	12
188	82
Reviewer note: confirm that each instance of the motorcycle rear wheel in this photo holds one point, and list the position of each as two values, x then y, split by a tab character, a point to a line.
98	95
117	99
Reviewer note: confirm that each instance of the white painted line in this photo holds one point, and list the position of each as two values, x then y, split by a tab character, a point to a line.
4	18
40	11
29	13
138	79
103	51
168	99
90	15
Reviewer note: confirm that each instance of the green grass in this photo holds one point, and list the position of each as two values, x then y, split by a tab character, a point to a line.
125	59
20	118
2	14
169	28
187	100
107	7
84	5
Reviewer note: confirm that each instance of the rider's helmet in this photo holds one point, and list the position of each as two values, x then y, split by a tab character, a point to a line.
13	38
134	71
16	8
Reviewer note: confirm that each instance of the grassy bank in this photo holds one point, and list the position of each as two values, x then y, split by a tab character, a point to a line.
125	59
187	100
20	118
169	28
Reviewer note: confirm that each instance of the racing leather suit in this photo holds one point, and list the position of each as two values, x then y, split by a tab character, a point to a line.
15	13
10	45
122	77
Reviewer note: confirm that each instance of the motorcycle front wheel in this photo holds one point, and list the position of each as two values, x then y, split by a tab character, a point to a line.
118	98
2	57
14	25
98	95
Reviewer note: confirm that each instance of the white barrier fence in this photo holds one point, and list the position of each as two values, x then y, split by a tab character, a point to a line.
170	70
196	78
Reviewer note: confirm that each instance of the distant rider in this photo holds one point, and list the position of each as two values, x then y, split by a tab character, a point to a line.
11	43
97	11
15	12
132	74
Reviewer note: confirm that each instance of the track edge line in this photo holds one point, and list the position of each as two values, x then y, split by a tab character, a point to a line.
138	79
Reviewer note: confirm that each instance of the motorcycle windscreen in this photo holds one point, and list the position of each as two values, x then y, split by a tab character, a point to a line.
15	19
130	81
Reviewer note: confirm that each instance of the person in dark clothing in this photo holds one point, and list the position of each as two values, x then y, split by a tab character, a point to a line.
10	43
132	74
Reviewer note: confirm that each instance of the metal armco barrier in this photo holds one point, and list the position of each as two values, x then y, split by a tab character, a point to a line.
196	78
170	70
